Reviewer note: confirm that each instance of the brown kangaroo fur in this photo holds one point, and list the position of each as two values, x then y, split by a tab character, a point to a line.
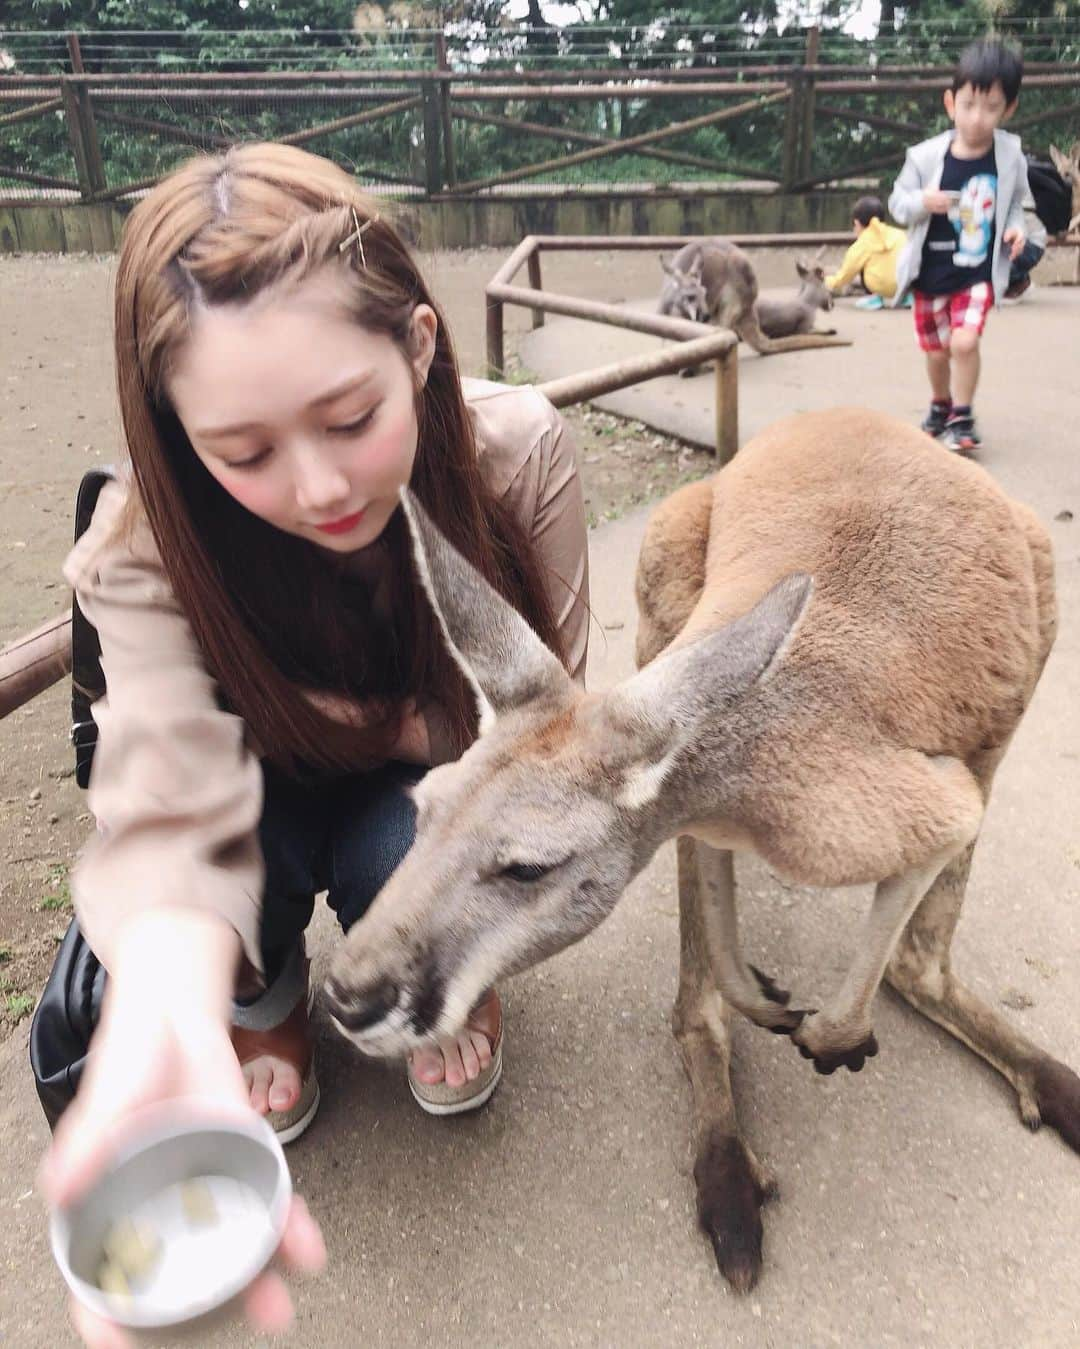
714	282
839	634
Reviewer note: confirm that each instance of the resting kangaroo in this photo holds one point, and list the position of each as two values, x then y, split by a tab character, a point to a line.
782	316
714	282
839	635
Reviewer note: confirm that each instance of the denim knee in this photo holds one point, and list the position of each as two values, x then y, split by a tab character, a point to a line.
373	828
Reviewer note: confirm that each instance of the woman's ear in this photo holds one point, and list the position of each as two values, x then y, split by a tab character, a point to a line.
423	327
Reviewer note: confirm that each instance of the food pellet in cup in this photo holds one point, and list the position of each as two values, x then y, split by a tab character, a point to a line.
198	1203
111	1280
133	1248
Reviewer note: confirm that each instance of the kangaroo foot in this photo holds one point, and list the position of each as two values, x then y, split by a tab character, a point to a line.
732	1186
831	1047
1056	1101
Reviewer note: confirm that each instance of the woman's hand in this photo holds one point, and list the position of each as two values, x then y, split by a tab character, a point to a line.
163	1034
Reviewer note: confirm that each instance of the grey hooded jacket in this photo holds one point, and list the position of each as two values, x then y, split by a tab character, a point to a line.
922	172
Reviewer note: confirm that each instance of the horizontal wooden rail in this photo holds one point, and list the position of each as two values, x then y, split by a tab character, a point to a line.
721	346
32	663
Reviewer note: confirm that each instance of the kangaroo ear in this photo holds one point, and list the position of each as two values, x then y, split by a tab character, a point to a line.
1060	162
668	703
696	267
665	263
802	268
500	655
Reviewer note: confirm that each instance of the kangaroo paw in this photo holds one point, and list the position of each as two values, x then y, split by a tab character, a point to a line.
826	1062
729	1207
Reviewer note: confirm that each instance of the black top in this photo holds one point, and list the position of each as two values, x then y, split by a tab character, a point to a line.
959	248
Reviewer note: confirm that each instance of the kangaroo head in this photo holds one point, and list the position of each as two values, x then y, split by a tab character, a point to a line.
683	293
813	291
526	843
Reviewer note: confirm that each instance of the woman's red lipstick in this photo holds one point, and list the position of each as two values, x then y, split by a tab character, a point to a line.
343	525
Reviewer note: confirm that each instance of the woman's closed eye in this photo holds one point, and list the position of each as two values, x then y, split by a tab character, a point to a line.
351	428
253	461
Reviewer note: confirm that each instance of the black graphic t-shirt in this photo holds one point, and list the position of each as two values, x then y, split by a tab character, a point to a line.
959	247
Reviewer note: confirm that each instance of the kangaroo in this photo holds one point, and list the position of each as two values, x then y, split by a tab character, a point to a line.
839	634
797	314
1068	165
714	282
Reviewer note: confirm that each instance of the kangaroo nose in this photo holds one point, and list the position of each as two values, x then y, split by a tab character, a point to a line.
358	1009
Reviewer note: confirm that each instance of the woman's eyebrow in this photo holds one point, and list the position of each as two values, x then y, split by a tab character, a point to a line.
353	383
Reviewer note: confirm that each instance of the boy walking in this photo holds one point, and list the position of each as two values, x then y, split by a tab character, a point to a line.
961	194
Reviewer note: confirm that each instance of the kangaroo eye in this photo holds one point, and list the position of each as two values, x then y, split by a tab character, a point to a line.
525	872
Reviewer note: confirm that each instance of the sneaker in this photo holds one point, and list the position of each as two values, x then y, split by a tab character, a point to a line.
936	420
960	436
870	302
1016	293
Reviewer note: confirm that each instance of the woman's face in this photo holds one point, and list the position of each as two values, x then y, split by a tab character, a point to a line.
304	417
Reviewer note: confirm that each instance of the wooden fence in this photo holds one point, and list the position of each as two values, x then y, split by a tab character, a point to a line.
415	132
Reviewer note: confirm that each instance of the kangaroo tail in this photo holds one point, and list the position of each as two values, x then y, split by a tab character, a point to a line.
749	331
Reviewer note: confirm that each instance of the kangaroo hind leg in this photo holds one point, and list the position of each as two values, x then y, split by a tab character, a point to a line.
921	972
732	1184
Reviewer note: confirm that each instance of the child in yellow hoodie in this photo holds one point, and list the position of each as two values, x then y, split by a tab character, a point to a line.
874	253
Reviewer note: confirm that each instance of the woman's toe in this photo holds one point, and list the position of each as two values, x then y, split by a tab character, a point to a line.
482	1048
470	1060
455	1069
427	1064
258	1075
284	1089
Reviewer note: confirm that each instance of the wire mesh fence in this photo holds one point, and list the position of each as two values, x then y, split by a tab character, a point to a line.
100	116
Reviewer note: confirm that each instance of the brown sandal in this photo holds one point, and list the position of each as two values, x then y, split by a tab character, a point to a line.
259	1029
436	1098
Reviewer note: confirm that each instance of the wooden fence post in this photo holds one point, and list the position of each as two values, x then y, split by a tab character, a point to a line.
806	128
433	169
444	112
727	404
82	129
496	360
789	169
536	283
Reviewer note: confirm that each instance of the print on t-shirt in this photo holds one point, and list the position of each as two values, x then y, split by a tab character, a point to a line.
973	219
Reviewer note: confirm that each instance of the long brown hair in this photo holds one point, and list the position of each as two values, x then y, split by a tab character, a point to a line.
271	611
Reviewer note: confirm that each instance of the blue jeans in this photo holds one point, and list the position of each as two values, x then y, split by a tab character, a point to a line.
345	835
1025	262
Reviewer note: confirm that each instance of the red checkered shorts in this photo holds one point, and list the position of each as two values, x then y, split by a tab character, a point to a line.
937	315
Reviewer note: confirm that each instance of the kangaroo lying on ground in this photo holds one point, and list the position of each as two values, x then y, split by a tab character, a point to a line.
714	282
1069	168
788	314
839	635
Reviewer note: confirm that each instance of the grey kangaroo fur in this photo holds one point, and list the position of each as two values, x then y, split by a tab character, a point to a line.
783	316
713	281
839	634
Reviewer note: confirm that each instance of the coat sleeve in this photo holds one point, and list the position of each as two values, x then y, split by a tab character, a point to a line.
906	199
550	480
854	261
175	788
